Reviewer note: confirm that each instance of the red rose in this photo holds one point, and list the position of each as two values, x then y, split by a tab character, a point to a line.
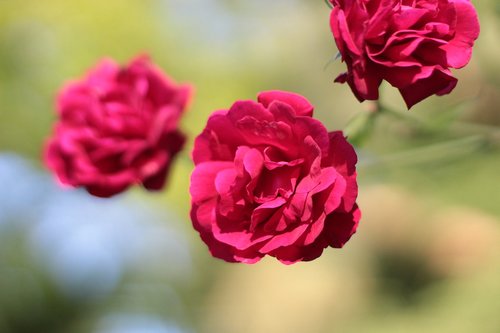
117	127
412	44
269	179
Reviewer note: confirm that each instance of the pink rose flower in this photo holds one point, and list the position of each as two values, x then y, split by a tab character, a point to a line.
117	127
412	44
271	180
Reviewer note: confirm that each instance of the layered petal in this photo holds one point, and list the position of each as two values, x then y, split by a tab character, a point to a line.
270	180
117	127
410	44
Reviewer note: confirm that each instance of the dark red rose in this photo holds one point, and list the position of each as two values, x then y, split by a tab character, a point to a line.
270	180
117	127
412	44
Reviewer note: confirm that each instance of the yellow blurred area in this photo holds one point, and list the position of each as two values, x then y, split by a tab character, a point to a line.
426	255
411	268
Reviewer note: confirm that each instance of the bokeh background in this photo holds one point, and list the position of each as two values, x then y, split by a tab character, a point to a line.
426	255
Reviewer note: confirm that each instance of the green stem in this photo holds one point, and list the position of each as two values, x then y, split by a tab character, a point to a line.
431	153
359	128
404	116
488	132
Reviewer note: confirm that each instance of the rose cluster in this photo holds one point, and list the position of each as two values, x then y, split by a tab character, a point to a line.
117	127
271	180
412	44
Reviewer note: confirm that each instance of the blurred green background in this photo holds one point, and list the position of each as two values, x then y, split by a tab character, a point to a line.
426	255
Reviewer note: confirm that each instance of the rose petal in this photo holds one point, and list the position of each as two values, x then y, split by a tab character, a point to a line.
284	239
339	227
299	104
459	49
202	186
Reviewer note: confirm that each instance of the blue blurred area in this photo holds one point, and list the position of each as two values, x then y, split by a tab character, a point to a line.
214	23
126	323
84	247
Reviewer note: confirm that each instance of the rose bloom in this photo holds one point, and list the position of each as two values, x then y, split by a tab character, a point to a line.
270	180
117	127
412	44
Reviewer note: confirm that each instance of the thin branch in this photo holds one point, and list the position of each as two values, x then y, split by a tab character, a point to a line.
429	154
